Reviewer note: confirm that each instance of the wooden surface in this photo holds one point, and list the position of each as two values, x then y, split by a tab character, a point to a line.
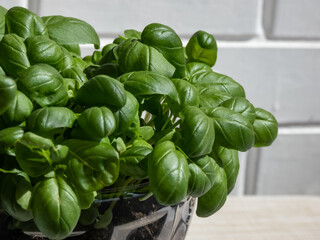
261	218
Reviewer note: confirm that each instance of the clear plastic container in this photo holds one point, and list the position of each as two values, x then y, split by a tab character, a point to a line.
133	219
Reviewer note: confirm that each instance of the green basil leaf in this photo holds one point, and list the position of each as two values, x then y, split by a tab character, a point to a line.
210	97
198	132
232	129
24	23
67	30
91	165
242	106
67	60
188	94
55	207
136	56
167	42
15	194
126	115
94	124
43	84
131	33
145	83
202	76
19	110
202	173
215	198
85	199
134	128
13	60
166	166
130	161
229	161
109	69
8	90
33	154
73	48
75	73
202	47
3	13
265	128
50	120
9	138
102	91
146	132
41	49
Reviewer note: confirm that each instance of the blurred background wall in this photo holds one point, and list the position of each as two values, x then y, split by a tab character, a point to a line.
271	47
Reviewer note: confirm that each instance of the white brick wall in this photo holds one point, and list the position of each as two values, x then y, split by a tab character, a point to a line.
272	47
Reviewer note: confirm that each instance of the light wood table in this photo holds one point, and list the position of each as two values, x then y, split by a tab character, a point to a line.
261	218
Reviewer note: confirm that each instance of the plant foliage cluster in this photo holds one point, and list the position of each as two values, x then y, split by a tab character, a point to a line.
144	107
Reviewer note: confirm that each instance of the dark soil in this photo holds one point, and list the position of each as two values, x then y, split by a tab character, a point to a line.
124	211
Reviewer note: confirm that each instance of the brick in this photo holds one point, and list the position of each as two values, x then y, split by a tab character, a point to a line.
292	19
290	166
11	3
284	81
225	18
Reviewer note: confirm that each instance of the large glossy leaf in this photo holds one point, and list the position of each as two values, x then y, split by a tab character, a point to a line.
201	176
125	116
136	56
102	91
188	94
232	129
130	161
41	49
24	23
55	207
166	41
202	47
229	161
13	55
94	124
215	198
33	154
168	173
198	132
15	194
241	105
265	128
67	30
43	84
91	165
210	97
201	76
8	90
19	110
143	83
50	120
8	139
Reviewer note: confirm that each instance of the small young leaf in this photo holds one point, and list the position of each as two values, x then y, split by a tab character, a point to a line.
265	128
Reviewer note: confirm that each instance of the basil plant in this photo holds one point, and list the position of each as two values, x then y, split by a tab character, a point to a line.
143	109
